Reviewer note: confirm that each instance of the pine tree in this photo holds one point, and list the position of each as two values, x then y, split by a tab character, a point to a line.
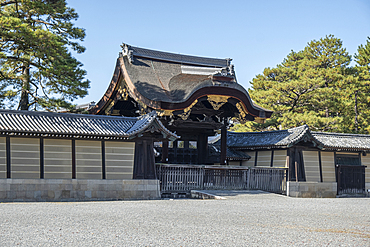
36	64
357	96
304	88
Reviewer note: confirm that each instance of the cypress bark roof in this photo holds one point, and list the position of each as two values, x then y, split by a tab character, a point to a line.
79	125
169	81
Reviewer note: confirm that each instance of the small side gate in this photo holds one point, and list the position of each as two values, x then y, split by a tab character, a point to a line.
351	179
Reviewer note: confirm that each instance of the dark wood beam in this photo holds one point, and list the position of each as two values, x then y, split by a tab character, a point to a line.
103	159
73	159
223	145
42	165
164	152
8	158
202	146
144	162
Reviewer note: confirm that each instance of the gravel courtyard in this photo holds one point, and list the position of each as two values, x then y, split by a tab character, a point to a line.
250	218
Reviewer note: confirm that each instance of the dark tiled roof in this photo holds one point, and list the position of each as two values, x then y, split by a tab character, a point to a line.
230	153
178	58
76	125
290	137
279	138
236	155
343	141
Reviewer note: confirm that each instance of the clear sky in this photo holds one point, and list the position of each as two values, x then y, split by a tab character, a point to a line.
255	33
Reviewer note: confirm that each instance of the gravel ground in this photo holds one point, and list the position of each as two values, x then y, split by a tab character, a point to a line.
243	219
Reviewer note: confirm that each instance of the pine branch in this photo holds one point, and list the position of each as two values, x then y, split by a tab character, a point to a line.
7	3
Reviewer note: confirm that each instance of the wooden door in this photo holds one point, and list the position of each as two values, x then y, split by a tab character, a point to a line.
351	179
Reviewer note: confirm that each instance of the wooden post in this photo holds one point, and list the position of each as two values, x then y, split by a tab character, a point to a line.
103	160
144	161
42	170
202	146
296	163
288	165
164	152
8	158
73	159
223	145
296	171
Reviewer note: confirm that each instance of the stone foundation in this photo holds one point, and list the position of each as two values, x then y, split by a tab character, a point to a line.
31	190
367	189
312	189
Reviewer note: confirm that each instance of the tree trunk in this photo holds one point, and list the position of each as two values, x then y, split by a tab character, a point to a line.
24	103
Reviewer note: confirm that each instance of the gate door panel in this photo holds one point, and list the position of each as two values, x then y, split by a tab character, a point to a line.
351	179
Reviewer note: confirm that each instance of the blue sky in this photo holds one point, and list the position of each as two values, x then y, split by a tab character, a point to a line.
255	34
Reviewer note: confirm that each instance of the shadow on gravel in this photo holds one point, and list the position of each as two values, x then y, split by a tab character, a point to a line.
235	192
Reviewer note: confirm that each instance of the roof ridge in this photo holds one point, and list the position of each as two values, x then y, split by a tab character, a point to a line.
84	126
131	51
63	114
269	131
339	134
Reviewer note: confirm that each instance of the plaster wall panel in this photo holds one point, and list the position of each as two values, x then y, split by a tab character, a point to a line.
57	158
25	157
88	160
365	160
264	158
328	166
280	158
2	157
311	166
119	160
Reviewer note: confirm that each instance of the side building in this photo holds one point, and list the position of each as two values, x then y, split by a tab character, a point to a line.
320	164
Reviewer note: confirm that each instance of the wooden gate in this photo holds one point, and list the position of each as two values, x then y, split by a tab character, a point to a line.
351	179
183	178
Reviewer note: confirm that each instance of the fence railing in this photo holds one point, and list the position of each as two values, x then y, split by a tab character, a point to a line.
183	178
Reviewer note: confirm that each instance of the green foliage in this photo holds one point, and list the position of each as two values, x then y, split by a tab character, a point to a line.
317	87
36	66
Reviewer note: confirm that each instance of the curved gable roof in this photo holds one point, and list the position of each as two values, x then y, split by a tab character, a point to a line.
168	81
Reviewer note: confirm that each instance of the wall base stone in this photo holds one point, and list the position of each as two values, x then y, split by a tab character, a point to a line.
34	190
367	189
312	189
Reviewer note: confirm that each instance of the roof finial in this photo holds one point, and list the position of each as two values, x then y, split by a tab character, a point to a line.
127	51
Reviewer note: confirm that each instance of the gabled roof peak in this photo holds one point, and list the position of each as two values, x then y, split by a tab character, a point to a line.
131	51
277	138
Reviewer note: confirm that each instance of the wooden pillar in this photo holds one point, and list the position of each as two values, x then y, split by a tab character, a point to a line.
8	158
144	161
223	145
42	164
202	147
74	159
104	174
164	152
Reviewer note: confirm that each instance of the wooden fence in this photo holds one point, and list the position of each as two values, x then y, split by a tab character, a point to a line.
183	178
